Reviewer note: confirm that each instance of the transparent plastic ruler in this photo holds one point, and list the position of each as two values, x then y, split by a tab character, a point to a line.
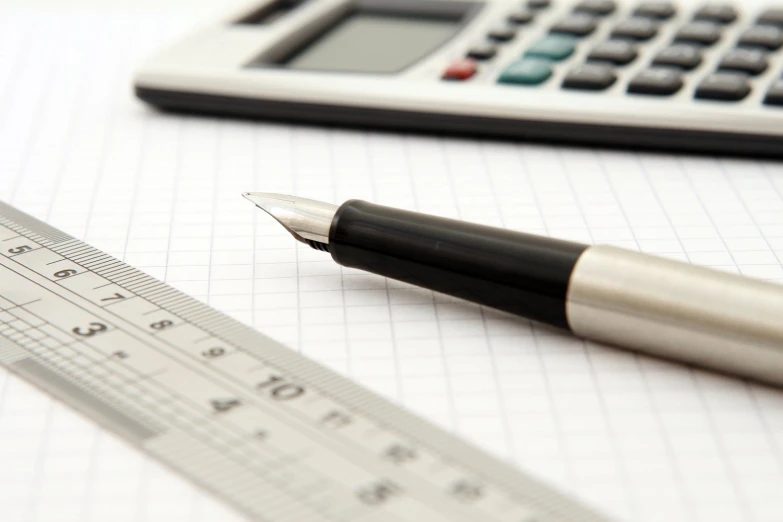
275	435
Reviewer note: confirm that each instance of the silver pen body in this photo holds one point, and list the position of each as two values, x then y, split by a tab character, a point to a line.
705	317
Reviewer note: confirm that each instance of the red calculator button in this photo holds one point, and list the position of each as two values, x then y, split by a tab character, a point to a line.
461	70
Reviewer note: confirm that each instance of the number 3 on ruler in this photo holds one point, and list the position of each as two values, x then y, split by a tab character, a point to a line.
93	329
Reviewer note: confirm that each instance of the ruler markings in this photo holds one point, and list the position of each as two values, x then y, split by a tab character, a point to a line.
85	259
112	269
312	471
50	380
366	407
54	354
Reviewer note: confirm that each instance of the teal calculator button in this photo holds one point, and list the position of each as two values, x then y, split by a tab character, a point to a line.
527	71
554	47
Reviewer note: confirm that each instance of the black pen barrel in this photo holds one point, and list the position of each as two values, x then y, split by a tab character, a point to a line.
519	273
662	307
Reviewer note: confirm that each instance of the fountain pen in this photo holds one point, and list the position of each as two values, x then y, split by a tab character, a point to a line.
661	307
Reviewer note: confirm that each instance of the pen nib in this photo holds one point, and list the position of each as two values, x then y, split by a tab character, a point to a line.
309	221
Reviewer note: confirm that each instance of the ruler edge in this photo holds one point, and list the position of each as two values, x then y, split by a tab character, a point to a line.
383	411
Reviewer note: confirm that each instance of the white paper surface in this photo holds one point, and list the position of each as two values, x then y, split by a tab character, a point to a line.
640	438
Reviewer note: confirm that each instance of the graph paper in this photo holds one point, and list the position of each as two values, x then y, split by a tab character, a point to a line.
640	438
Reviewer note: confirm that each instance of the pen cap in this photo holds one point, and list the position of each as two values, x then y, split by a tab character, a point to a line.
515	272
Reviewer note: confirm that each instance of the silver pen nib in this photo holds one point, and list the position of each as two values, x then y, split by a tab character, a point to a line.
307	220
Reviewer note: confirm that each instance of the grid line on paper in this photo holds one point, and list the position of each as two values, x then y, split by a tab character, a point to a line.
659	425
731	471
507	432
588	348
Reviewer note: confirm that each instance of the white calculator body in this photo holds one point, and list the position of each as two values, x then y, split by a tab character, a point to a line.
643	74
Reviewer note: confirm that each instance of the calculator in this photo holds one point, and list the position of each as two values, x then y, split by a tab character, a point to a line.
639	74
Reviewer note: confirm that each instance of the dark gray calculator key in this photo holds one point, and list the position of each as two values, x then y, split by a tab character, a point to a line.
483	51
502	34
656	10
640	29
705	33
765	36
521	17
771	17
718	13
684	56
590	77
596	7
658	81
539	4
618	52
775	94
751	61
578	24
724	86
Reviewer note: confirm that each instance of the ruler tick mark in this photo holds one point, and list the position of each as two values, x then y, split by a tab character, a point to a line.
300	470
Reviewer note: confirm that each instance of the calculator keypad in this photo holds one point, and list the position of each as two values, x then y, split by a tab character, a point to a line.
577	24
527	71
717	13
765	36
555	47
461	70
703	33
657	81
596	7
483	51
656	10
590	77
771	17
617	52
539	4
724	86
775	94
684	56
750	61
521	17
714	52
640	29
502	34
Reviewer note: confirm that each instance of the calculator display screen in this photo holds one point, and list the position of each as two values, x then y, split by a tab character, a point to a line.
378	43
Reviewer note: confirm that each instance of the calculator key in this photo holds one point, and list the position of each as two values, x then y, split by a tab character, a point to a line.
718	13
762	36
658	81
775	94
578	24
539	4
724	86
590	77
705	33
618	52
502	34
527	71
596	7
461	70
640	29
684	56
657	10
554	47
771	17
483	51
521	17
751	61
